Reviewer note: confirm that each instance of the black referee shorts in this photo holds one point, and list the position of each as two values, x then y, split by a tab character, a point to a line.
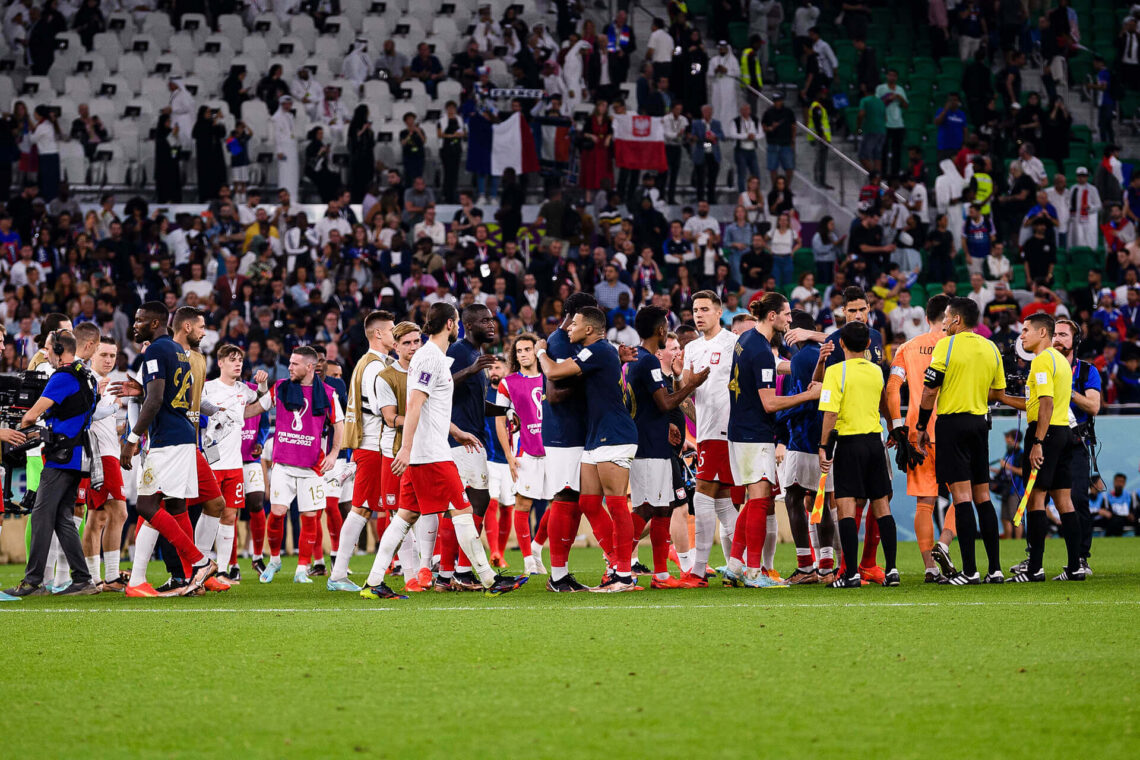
860	467
963	448
1056	472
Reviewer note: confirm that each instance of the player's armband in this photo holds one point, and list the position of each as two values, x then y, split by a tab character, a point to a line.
933	378
899	372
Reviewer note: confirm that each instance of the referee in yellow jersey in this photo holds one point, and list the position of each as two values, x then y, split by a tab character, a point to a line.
852	403
964	375
1047	450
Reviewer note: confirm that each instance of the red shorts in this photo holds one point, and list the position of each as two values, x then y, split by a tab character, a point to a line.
112	489
207	483
432	488
712	462
232	485
367	488
390	484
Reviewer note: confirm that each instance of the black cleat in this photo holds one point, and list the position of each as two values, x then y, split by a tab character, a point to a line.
466	582
942	557
173	587
933	576
637	568
79	589
844	582
1027	577
319	569
27	589
504	584
568	584
1020	567
961	579
1069	576
258	566
891	578
234	575
1085	570
443	585
380	591
995	577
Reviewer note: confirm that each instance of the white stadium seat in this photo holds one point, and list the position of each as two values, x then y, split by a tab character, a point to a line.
409	28
107	110
123	92
157	26
302	26
298	53
345	32
266	25
155	90
195	26
122	25
230	25
447	89
7	92
376	28
209	69
225	49
78	86
184	49
256	49
110	46
73	162
39	88
133	70
153	49
330	48
171	60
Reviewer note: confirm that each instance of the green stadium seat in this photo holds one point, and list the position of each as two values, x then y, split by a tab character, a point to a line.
698	7
787	70
738	34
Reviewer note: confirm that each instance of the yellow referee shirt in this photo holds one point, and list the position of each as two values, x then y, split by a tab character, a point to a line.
1050	375
852	390
970	366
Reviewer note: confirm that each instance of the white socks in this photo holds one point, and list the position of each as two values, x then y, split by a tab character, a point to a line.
769	556
93	567
726	515
349	535
686	561
468	538
704	514
111	566
206	534
62	568
558	573
409	560
426	529
389	543
144	547
225	544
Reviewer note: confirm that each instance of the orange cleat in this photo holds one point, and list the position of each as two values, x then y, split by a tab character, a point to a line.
216	583
873	574
413	586
688	580
774	575
668	583
498	561
141	590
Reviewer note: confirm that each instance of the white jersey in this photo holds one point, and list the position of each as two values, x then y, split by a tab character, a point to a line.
105	431
385	396
430	373
372	427
223	429
711	399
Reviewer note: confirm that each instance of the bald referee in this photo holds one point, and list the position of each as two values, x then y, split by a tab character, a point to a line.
965	374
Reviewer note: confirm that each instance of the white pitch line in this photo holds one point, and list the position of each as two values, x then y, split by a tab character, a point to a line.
544	608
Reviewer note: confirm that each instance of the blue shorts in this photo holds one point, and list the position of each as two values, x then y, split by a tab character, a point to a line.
781	157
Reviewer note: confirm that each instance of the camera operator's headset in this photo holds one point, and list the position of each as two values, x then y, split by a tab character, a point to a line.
56	345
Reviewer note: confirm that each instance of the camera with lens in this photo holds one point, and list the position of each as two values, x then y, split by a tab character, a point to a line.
1016	372
18	392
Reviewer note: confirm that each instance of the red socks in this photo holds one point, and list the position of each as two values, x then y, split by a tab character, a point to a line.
562	525
310	526
171	528
233	550
659	537
870	541
540	535
447	544
318	540
591	506
491	523
618	507
522	530
756	531
257	530
334	521
276	530
740	535
505	516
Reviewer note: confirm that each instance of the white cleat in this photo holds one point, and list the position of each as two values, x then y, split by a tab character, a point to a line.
539	568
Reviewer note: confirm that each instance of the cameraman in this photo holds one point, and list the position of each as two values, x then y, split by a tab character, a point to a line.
1085	405
67	404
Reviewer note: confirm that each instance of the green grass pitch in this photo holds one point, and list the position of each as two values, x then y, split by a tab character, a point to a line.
1027	671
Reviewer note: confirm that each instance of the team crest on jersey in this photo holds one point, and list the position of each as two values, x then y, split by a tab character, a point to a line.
391	499
425	378
715	358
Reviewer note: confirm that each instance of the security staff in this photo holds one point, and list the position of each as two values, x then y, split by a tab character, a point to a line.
820	124
852	401
964	375
67	404
751	70
1085	405
1047	450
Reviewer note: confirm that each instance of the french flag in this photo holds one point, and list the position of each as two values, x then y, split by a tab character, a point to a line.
512	147
639	142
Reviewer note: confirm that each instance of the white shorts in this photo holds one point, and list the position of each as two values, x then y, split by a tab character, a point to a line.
287	482
752	462
620	455
561	470
651	482
171	471
340	479
472	467
254	476
802	469
500	484
532	476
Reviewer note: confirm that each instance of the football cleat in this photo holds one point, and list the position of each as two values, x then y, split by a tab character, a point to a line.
60	588
258	566
234	575
344	585
773	575
173	587
379	592
466	582
760	579
8	597
1027	577
140	591
688	580
933	576
1085	570
119	585
827	576
891	578
844	582
995	577
567	584
637	568
729	579
961	579
942	557
202	573
1069	576
424	578
665	583
803	577
301	576
536	560
413	586
443	585
319	570
498	561
270	570
504	584
217	583
617	584
536	551
81	589
872	574
1020	567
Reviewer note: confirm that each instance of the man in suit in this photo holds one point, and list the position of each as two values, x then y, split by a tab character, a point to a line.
705	136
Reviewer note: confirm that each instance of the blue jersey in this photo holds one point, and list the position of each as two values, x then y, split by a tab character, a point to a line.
341	391
1085	377
804	422
564	424
467	404
495	451
874	353
1119	504
977	236
642	379
166	360
61	386
753	368
607	419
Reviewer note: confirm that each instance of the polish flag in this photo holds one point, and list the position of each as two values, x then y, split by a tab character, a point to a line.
639	142
512	146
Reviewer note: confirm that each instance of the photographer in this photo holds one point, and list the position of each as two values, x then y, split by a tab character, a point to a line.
67	404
